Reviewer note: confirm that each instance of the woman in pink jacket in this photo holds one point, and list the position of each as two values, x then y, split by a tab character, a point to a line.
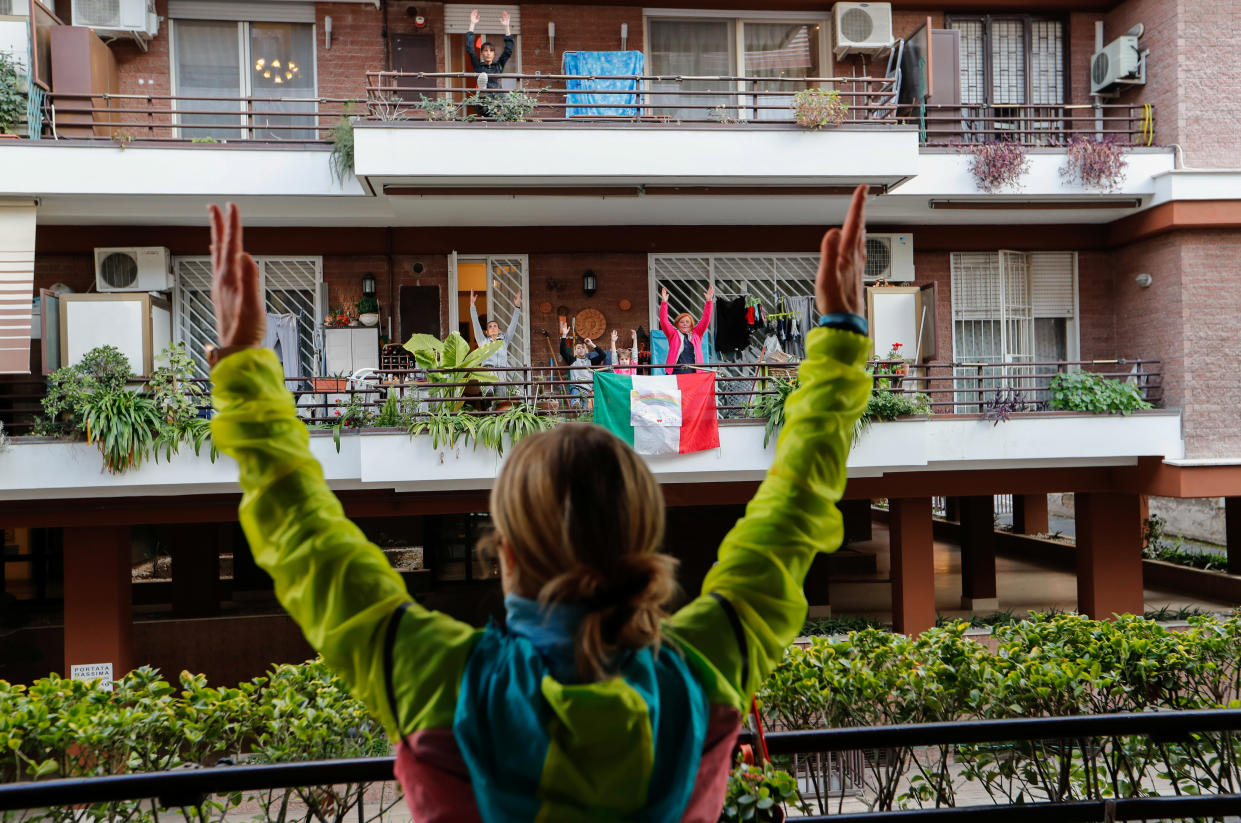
684	337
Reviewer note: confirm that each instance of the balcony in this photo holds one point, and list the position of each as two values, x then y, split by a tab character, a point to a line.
1029	437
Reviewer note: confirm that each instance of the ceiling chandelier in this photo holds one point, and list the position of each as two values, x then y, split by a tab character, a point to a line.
276	71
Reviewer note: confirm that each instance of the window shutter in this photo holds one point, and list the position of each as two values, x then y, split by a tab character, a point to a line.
263	11
1008	62
972	75
1047	62
976	285
457	18
1052	283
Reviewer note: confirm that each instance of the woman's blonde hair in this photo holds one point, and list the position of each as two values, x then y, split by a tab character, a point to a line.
555	502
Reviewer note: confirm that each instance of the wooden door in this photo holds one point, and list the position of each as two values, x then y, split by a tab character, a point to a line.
413	53
420	311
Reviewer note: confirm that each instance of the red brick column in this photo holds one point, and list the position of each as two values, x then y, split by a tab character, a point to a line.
1109	554
913	566
1030	514
978	591
98	600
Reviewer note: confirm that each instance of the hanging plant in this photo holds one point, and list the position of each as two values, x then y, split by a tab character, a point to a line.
997	166
1096	164
818	108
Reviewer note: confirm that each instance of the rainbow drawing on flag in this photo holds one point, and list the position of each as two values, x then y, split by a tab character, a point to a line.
659	414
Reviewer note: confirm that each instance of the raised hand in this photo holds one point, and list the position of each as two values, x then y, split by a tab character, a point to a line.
590	344
504	21
634	334
842	260
614	336
474	19
564	329
710	295
240	316
473	298
517	300
663	294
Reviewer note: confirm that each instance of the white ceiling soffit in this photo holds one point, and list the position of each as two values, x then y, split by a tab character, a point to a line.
457	18
265	11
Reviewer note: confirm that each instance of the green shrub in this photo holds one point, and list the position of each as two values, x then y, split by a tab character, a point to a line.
1088	392
758	792
12	94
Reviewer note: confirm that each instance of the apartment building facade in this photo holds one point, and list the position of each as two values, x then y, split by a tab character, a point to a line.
687	171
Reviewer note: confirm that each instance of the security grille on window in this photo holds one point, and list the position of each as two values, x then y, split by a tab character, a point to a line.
1008	64
1010	311
291	285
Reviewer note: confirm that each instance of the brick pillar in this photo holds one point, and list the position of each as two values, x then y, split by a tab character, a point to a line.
1232	533
913	564
978	591
196	568
1030	514
856	514
98	600
1109	554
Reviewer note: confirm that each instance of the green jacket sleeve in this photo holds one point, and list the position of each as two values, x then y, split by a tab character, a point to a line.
337	585
763	561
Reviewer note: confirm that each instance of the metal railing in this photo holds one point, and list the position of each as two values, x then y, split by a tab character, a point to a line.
1037	125
655	99
1089	733
125	117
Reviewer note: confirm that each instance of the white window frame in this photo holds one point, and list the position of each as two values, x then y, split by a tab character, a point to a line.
738	20
454	312
180	334
247	90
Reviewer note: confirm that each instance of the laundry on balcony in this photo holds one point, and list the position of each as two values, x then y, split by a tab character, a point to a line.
607	73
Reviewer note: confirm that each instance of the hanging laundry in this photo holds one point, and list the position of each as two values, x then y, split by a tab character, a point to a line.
611	72
801	321
731	328
281	337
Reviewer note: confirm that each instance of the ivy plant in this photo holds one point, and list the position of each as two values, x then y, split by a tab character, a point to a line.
12	93
1089	392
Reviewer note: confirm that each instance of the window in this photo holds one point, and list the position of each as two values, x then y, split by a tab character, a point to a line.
217	63
291	285
1008	62
1011	310
772	52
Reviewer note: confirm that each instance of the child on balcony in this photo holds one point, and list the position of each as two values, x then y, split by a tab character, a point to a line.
498	358
582	359
590	701
623	360
684	337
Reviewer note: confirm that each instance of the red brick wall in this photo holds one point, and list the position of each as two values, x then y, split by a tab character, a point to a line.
1080	48
1097	324
621	277
357	47
578	28
1208	64
1160	17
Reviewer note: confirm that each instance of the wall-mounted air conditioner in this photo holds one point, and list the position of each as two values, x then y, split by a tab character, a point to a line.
132	269
862	28
136	18
889	257
1120	62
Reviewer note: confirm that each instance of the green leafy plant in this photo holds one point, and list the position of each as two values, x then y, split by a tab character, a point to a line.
513	106
12	93
1156	546
512	425
1088	392
818	108
442	108
445	426
771	406
451	353
759	794
341	158
367	305
203	140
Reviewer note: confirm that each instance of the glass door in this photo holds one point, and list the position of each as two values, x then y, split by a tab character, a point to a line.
782	52
698	50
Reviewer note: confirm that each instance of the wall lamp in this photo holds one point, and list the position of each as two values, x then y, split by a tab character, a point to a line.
590	283
551	36
368	285
1144	280
624	36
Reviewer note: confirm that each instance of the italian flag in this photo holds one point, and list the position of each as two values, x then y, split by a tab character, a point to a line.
659	414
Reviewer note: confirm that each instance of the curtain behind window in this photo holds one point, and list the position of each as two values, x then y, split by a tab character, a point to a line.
691	48
282	65
208	65
779	50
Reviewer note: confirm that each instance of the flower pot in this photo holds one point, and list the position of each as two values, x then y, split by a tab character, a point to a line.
369	318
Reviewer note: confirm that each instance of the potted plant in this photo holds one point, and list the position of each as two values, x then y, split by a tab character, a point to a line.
337	319
1096	164
759	794
818	108
896	361
12	95
368	311
1000	165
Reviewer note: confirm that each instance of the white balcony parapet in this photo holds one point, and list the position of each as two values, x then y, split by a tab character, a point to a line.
42	470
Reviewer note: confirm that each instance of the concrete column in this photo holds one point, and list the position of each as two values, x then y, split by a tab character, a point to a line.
856	514
1232	533
196	568
913	564
978	592
1109	554
98	599
1030	514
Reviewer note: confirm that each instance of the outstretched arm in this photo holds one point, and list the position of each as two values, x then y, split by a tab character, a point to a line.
764	559
707	305
478	327
665	324
335	583
512	324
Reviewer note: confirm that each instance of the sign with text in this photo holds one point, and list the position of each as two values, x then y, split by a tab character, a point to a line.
93	671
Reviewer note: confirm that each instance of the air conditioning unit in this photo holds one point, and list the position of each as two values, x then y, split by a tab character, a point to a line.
118	17
862	28
133	269
1120	62
889	257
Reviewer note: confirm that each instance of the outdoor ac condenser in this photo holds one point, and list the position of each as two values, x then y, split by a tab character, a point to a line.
132	269
889	257
1119	62
117	17
862	28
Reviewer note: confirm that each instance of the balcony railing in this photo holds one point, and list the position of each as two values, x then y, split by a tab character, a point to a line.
1094	741
650	99
1051	126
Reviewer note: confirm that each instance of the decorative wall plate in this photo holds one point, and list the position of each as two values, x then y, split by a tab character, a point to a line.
591	323
625	305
